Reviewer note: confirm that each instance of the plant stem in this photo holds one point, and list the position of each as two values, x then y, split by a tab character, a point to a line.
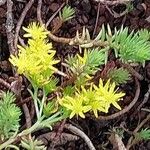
23	133
35	103
30	130
7	143
40	123
42	104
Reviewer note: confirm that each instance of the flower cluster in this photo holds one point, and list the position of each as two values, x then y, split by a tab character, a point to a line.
84	67
96	98
36	59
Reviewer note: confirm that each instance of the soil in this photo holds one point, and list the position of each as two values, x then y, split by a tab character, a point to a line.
85	15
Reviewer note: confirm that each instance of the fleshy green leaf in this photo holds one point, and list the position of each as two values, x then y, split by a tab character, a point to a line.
132	47
9	116
144	134
119	76
32	144
67	13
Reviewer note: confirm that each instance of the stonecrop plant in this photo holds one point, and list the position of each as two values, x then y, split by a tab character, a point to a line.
36	61
39	69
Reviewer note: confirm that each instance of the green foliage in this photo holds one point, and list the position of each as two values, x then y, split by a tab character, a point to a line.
69	90
84	67
128	46
42	122
32	144
131	47
9	116
67	13
129	6
50	85
119	76
12	146
50	108
144	34
94	59
144	134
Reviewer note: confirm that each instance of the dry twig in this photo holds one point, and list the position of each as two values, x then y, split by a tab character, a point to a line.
146	97
114	14
64	138
9	27
27	115
2	2
21	41
113	2
76	41
96	23
24	101
80	133
32	110
41	22
60	39
4	83
57	136
54	14
20	21
71	41
39	11
116	141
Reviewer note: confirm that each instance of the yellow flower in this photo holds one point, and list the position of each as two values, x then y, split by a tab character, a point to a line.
35	31
83	60
36	60
75	105
96	106
108	95
92	99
